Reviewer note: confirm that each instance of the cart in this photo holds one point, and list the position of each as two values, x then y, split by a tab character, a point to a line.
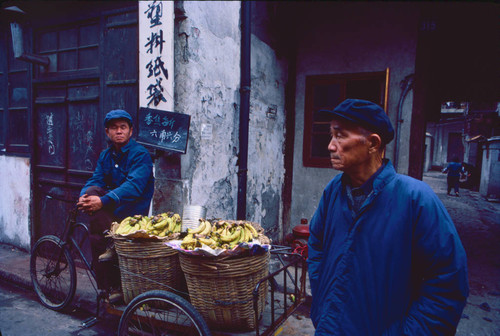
169	312
164	310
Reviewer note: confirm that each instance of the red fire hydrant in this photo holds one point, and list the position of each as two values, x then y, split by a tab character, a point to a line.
300	237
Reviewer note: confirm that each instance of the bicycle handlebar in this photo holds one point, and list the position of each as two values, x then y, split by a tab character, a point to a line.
53	194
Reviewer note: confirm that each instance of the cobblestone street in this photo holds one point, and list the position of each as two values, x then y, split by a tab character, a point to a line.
478	224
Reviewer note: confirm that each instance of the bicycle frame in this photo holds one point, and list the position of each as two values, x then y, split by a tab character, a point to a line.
69	241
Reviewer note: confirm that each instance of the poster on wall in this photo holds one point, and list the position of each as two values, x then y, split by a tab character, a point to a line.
156	54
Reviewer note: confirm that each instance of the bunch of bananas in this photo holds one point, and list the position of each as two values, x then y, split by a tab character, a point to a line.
161	225
219	234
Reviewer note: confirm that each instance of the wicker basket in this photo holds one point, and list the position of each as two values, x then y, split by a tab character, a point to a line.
222	290
148	265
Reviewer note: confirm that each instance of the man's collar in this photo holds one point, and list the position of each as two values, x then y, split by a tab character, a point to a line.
124	149
367	187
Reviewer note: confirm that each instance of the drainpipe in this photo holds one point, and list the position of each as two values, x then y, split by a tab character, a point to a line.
406	86
244	109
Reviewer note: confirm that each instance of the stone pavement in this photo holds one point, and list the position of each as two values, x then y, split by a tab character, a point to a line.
478	224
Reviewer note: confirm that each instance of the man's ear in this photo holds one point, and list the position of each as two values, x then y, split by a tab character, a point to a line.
375	142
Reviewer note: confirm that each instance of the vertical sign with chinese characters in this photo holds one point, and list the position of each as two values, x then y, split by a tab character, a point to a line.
156	54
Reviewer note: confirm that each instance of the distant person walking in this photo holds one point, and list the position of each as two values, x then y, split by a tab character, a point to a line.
454	169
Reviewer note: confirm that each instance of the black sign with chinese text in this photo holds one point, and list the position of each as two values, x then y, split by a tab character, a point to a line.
163	129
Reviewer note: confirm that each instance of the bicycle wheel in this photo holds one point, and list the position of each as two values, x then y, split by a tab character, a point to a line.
53	273
158	312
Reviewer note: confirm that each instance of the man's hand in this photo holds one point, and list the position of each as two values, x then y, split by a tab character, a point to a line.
89	204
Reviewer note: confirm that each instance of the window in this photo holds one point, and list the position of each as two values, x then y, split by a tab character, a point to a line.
72	49
326	92
14	98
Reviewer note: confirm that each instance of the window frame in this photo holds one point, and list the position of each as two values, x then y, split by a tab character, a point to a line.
9	66
313	81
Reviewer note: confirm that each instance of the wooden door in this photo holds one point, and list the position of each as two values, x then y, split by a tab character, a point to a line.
94	68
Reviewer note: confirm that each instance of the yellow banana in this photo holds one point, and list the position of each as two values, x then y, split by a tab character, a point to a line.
208	228
250	227
242	238
178	226
161	224
132	229
225	231
123	224
126	220
122	229
209	242
199	229
232	237
238	239
176	218
162	233
188	241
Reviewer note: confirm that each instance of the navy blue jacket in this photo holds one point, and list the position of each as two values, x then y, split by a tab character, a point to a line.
454	169
396	268
127	176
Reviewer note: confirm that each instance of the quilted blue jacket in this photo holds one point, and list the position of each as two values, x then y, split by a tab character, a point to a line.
396	268
127	176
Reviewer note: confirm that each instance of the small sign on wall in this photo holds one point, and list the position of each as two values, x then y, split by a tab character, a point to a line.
163	129
156	54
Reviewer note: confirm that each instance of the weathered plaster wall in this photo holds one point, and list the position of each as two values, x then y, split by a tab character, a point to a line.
15	203
266	138
207	75
490	170
349	38
207	82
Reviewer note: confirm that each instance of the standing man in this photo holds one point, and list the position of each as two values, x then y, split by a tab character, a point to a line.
384	255
454	170
122	185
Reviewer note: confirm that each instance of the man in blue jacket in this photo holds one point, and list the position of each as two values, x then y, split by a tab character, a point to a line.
454	170
384	255
122	185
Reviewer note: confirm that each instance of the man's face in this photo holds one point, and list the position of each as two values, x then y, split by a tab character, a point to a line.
119	132
348	146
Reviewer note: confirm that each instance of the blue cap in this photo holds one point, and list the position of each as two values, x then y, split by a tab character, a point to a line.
117	114
367	115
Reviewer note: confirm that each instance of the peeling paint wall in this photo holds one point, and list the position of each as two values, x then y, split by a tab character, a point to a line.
207	83
207	75
350	38
266	138
15	203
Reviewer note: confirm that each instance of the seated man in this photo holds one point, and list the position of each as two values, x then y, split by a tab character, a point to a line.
122	185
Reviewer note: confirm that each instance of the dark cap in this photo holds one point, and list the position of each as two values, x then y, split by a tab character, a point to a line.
117	114
367	115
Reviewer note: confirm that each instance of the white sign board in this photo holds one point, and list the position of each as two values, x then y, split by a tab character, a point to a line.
156	54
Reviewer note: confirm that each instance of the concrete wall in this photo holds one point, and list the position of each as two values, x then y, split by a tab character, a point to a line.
207	83
266	138
350	38
490	172
15	201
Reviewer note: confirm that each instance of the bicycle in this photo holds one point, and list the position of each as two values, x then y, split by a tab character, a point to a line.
54	277
52	266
